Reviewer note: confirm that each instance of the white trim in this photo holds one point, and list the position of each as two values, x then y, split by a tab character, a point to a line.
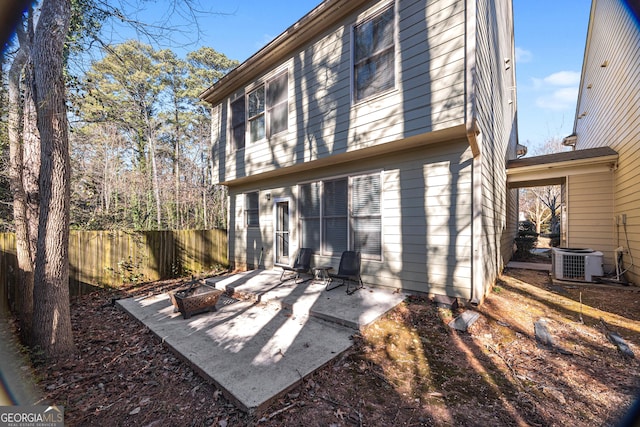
562	169
292	245
477	255
368	15
229	139
268	108
348	177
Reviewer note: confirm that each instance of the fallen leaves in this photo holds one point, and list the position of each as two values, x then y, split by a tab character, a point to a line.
409	368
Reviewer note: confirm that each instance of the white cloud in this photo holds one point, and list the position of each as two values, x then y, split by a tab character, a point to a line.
523	55
560	99
563	78
537	82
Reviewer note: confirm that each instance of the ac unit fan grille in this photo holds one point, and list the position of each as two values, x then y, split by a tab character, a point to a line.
573	266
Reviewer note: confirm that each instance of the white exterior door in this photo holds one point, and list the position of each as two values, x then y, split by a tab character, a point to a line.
281	238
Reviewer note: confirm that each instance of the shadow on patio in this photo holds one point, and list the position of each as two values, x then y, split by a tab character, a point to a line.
258	347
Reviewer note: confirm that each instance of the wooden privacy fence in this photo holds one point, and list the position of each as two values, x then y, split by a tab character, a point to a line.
111	258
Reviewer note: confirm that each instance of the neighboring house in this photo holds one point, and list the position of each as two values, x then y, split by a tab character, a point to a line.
608	115
601	178
377	126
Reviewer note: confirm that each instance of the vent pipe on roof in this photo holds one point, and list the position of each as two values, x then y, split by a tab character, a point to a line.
570	141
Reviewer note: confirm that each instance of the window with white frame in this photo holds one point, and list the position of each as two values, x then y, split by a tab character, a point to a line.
335	216
374	63
252	209
309	211
278	104
238	128
255	112
342	214
268	108
366	216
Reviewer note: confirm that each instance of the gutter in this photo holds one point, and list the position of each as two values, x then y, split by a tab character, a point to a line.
611	159
471	120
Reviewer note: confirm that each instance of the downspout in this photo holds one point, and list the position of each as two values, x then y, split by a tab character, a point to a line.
474	138
471	121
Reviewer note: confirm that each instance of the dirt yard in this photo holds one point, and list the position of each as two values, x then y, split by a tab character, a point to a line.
408	369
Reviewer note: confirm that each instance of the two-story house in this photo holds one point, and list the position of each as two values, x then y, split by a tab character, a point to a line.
377	126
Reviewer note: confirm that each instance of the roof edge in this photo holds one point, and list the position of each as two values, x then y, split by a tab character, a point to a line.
304	30
574	158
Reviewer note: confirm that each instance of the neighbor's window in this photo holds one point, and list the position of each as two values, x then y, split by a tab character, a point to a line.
277	103
374	65
252	209
238	123
256	114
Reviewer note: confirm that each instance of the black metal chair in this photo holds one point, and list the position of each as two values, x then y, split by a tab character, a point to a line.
348	271
300	264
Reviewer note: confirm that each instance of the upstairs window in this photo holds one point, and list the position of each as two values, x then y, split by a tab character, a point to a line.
256	114
268	108
374	64
238	127
278	103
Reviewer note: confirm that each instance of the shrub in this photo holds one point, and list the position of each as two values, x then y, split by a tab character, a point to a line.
526	240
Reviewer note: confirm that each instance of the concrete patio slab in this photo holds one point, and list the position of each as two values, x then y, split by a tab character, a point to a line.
309	297
254	350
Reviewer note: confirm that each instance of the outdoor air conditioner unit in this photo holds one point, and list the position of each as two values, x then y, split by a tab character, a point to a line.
576	264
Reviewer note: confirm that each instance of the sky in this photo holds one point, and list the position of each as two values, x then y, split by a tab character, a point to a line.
550	38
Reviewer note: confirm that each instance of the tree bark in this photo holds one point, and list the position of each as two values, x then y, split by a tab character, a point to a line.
20	221
52	321
151	138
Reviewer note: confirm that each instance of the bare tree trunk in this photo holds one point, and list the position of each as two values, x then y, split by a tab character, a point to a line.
204	208
538	216
156	184
176	164
31	166
151	140
52	320
16	161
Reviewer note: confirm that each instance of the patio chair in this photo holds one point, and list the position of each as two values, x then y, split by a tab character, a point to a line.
348	271
300	264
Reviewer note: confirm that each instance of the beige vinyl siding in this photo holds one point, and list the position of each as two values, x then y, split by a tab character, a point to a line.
590	210
426	220
429	94
612	116
426	216
495	108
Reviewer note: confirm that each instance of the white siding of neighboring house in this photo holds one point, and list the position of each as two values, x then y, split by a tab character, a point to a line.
496	110
609	99
324	121
590	209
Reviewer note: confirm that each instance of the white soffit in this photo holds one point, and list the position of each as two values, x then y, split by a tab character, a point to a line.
555	167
